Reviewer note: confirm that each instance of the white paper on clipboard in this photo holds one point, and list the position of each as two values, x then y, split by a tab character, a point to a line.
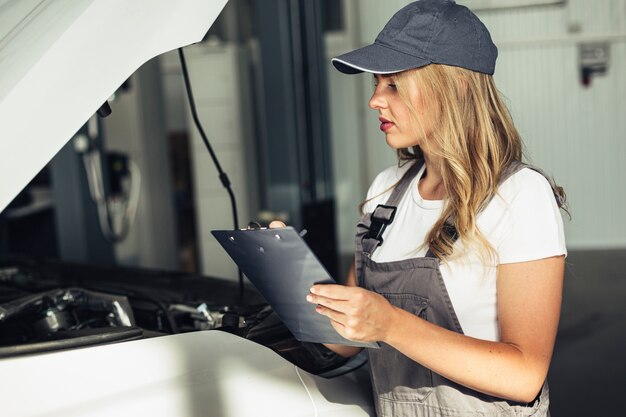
282	267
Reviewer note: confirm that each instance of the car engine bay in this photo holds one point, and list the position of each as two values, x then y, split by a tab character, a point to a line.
49	305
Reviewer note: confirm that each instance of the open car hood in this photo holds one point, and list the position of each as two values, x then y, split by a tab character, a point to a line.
60	60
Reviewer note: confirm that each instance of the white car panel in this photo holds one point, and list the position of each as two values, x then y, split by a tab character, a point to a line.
208	373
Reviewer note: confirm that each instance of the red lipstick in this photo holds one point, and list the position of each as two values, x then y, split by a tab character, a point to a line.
385	124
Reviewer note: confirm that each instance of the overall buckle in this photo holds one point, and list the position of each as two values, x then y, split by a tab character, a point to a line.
381	217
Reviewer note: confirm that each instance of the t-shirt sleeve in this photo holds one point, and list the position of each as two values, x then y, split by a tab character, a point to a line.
534	225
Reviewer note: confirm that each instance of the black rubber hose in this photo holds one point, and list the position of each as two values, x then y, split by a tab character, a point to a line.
222	175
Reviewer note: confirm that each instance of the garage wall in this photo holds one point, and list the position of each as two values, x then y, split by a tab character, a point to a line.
576	133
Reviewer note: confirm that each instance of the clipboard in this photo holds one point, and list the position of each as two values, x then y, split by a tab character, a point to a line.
283	269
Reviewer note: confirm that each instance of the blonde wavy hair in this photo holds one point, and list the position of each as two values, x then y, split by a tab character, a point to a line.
475	140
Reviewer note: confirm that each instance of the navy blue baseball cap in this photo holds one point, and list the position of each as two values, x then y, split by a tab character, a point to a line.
425	32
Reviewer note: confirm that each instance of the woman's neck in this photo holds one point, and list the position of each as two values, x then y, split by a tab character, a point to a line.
431	185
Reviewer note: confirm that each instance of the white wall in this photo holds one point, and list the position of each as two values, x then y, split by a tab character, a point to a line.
577	134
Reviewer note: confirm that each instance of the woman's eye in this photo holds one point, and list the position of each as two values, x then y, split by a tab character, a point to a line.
385	84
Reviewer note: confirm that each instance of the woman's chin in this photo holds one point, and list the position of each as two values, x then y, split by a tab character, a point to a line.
394	143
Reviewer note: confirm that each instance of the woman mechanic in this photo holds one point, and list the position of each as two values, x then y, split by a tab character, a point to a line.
460	253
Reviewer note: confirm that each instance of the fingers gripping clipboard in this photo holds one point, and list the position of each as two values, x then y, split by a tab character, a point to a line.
282	267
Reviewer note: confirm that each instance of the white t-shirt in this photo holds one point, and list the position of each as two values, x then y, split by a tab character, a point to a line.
522	223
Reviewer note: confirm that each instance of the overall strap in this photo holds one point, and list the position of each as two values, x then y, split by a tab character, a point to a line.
383	214
403	184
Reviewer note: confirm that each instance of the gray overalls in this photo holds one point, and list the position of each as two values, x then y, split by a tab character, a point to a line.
402	387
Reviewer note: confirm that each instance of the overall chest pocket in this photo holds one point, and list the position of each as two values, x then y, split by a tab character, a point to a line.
396	377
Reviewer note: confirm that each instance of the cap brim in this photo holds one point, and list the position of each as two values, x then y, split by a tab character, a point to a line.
377	59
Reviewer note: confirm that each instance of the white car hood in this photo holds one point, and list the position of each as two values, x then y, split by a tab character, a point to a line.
61	59
208	374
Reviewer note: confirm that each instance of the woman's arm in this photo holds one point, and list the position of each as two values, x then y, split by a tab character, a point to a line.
529	302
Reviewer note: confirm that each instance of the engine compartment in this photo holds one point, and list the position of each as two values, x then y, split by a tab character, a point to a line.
49	305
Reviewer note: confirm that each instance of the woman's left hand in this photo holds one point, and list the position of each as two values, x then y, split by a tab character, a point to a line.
356	313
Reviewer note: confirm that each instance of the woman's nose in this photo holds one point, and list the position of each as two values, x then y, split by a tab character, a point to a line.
377	101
